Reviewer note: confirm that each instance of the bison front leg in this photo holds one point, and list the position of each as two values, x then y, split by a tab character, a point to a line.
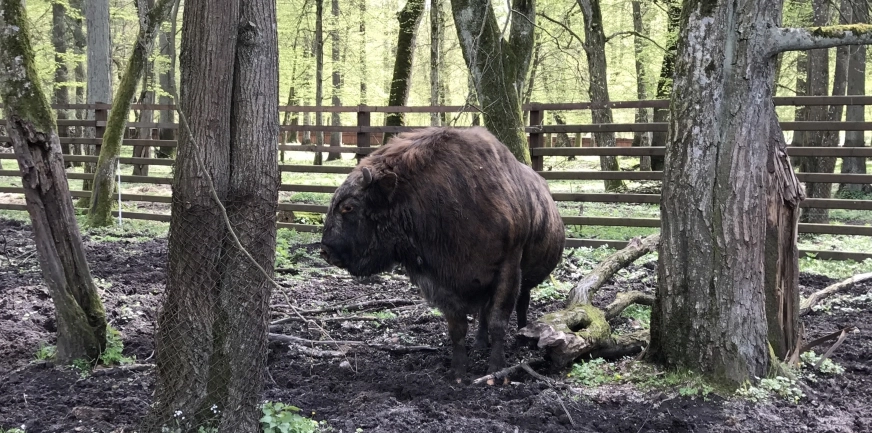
481	338
457	328
506	294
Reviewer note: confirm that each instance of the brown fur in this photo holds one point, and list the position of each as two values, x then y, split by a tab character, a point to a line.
474	228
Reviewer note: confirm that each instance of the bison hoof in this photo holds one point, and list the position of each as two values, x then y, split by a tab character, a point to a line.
480	343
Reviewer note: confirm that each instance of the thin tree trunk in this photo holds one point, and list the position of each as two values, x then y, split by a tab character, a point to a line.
99	71
435	56
76	24
563	139
595	48
499	89
100	211
319	75
856	113
335	137
642	139
61	75
81	321
362	54
410	19
664	82
528	89
818	82
167	81
146	115
211	339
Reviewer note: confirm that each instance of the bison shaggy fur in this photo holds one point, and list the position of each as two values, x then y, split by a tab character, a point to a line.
474	228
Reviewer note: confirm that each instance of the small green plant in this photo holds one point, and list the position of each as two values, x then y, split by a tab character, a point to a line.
284	418
385	315
435	312
13	430
112	355
550	290
82	366
779	386
45	352
811	359
595	372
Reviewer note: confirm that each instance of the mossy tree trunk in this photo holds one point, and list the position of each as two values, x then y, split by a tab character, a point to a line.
81	321
410	19
595	49
729	196
211	340
100	211
498	67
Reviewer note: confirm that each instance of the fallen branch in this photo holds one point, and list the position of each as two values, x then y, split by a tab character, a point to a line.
393	348
806	305
290	319
625	299
504	373
121	369
363	306
583	291
316	353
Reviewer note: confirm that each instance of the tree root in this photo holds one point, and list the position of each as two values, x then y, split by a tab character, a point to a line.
806	305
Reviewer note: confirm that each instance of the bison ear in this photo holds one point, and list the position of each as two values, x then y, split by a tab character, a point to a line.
388	182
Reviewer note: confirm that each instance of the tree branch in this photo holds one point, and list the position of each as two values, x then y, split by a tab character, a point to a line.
801	39
565	27
634	33
807	304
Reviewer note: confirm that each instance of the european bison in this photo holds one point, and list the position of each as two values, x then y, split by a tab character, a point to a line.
474	228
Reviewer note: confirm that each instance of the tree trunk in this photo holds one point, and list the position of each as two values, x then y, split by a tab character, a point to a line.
436	22
335	137
61	75
79	42
562	137
729	198
817	80
146	115
167	82
211	339
499	89
319	75
100	211
641	138
595	48
362	54
81	321
410	19
531	82
99	70
664	82
856	113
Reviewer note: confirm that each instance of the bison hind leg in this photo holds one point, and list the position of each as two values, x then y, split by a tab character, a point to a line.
457	327
503	302
481	335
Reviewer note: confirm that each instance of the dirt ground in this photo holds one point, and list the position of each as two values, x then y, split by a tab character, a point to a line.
377	390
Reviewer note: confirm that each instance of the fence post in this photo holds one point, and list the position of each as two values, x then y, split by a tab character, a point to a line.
101	114
363	137
536	137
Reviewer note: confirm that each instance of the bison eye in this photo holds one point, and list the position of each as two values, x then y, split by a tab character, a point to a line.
346	208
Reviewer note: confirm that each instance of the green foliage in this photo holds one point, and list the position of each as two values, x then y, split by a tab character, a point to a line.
779	386
112	355
13	430
595	372
82	366
837	269
640	313
285	256
46	352
385	315
810	359
283	418
550	290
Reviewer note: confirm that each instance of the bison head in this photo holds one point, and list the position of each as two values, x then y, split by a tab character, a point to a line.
358	224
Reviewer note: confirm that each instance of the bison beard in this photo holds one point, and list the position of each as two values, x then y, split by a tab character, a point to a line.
474	228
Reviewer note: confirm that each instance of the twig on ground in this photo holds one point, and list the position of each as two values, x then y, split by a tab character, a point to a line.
316	353
325	319
363	305
842	336
490	378
807	304
394	348
122	368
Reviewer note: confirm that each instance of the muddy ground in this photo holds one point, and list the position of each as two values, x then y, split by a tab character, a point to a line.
377	390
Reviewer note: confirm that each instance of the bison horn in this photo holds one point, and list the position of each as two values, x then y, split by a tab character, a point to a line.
367	177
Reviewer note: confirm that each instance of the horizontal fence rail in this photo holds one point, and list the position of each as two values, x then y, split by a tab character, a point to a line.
363	138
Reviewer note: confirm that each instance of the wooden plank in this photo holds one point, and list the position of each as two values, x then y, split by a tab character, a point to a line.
832	229
13	206
606	197
611	221
124	178
316	148
290	168
299	227
308	188
834	178
839	152
299	207
601	175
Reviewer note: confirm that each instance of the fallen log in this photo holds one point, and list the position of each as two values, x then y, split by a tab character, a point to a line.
807	304
581	293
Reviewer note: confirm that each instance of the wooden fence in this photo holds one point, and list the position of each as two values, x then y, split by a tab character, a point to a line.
364	133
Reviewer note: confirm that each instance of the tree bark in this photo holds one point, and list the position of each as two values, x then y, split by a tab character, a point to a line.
642	139
498	67
100	211
410	19
319	75
81	321
335	137
76	23
595	49
211	340
362	54
99	69
729	198
146	115
664	82
61	75
167	80
856	113
436	37
817	81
